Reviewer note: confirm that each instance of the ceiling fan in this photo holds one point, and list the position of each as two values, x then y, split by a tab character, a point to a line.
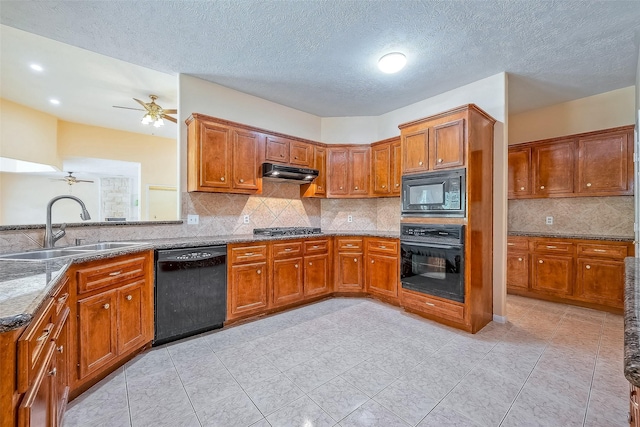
70	179
154	112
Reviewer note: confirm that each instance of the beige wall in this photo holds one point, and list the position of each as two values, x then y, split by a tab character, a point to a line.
156	155
602	111
28	134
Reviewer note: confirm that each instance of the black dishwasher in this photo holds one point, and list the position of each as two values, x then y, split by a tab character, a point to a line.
190	292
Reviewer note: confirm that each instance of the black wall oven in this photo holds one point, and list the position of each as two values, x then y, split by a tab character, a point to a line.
436	194
432	259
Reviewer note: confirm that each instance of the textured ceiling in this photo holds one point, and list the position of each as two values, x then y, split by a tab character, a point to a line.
320	56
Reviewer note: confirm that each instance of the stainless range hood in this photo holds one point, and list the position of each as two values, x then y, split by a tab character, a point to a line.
288	173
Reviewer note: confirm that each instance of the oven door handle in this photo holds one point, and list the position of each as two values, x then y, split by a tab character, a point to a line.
432	245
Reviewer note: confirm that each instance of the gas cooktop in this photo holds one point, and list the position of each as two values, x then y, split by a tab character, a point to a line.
286	231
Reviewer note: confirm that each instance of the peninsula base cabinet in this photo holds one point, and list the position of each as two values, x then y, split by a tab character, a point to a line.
634	409
574	271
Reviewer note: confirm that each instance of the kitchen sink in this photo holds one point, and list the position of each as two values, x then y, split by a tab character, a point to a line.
54	253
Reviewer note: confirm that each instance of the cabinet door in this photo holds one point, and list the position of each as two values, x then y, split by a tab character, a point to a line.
277	149
600	281
448	145
320	163
98	332
248	289
359	171
132	313
553	168
301	154
338	171
381	165
246	159
603	164
350	272
519	172
38	406
517	271
287	281
382	275
215	156
415	152
552	274
396	167
316	275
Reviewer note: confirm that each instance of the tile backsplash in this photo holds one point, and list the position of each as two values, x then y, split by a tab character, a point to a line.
280	205
595	216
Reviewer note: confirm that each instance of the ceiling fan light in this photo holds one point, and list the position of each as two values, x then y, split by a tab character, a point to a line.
392	62
158	123
146	119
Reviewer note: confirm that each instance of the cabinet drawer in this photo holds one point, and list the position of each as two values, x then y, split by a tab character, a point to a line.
316	246
32	343
437	307
553	247
350	244
383	246
609	251
517	244
107	274
287	249
248	253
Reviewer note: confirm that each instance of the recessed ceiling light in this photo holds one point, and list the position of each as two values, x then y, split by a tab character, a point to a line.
54	101
36	67
392	62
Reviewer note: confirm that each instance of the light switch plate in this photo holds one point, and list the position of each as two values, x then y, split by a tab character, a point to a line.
193	219
549	220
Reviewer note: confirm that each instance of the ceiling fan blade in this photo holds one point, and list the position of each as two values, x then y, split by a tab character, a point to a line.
83	180
141	103
171	111
171	119
128	108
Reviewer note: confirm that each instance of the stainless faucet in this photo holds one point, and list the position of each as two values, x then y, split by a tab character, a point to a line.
50	238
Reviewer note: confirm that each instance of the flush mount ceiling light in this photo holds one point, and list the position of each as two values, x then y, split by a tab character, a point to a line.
54	101
36	67
392	62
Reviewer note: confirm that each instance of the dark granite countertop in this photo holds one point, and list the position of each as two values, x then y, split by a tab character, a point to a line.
24	285
571	236
631	324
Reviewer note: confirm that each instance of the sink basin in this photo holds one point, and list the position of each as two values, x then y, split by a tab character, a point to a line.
107	245
53	253
43	254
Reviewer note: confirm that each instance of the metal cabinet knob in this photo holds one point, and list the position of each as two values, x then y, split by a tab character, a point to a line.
241	180
542	187
420	163
540	261
356	188
296	266
397	185
588	267
296	157
519	259
341	188
521	188
281	155
259	271
106	306
53	372
588	184
319	187
310	263
129	297
60	349
355	260
439	160
222	178
372	261
384	186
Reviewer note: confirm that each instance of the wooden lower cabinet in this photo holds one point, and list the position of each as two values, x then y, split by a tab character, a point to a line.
349	272
517	270
552	274
287	281
39	404
317	275
247	289
634	409
130	316
98	332
382	275
600	281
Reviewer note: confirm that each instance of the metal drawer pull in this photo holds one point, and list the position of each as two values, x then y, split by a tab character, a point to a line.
259	271
431	304
53	372
599	250
63	298
382	247
348	245
315	246
287	249
45	334
249	254
115	273
541	262
552	247
129	297
511	244
106	306
588	267
60	349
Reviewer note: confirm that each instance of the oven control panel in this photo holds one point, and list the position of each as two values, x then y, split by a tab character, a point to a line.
437	233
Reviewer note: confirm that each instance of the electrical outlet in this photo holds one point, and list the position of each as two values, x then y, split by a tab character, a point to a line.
193	219
246	219
549	220
349	218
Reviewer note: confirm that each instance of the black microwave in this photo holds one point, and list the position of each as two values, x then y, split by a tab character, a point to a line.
439	194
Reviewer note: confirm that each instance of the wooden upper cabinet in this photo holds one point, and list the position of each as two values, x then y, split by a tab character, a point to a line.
276	149
396	167
359	171
604	164
415	152
338	175
448	145
301	154
519	172
246	160
553	168
381	169
209	157
318	188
